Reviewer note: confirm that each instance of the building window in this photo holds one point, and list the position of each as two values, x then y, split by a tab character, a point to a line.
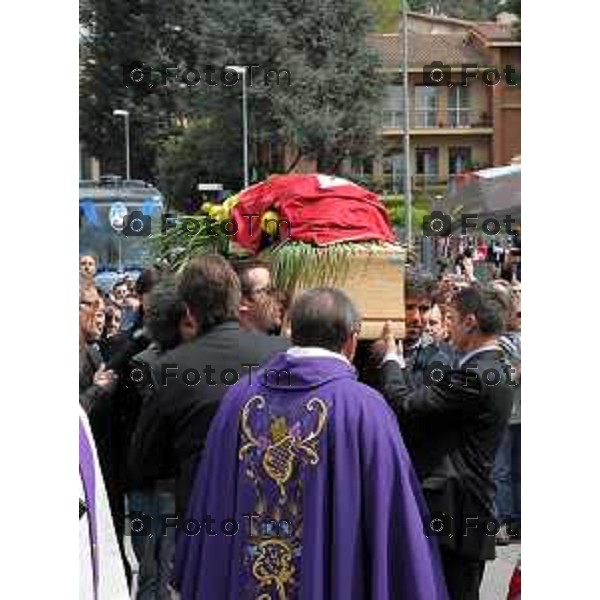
459	107
393	172
426	106
459	159
393	107
427	164
361	166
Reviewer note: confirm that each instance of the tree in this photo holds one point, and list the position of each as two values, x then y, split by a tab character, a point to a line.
330	106
514	7
196	154
326	107
387	11
117	33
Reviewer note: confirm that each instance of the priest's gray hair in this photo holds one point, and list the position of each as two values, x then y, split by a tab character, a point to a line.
324	318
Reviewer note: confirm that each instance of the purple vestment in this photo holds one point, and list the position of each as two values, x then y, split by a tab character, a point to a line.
315	474
88	479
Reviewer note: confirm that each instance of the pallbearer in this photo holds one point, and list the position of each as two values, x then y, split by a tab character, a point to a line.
306	483
101	573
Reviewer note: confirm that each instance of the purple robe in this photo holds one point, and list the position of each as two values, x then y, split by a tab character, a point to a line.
88	479
314	473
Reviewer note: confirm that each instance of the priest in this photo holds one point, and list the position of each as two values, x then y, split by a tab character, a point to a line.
101	572
305	490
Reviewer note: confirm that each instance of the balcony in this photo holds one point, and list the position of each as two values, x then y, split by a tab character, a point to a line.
421	182
442	121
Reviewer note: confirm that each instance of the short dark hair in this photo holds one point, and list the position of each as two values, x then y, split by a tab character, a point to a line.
490	307
147	279
210	288
507	273
244	266
323	317
418	284
164	313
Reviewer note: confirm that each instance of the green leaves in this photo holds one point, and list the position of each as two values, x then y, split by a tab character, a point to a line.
328	111
190	236
296	264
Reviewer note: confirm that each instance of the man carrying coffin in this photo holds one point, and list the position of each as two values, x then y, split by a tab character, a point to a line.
307	483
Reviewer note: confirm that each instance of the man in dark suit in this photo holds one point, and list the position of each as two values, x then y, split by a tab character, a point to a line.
456	426
193	377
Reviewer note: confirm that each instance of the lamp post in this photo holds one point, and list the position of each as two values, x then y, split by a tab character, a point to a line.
406	94
125	114
242	69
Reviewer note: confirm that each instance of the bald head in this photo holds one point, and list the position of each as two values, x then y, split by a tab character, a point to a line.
325	318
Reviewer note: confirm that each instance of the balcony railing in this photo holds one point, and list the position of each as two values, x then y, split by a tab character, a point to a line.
452	118
420	181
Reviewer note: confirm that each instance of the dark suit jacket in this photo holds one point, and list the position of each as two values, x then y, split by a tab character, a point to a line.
173	425
454	430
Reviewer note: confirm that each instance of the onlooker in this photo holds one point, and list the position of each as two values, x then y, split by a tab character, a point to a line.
114	429
113	320
87	266
119	292
508	459
434	325
162	320
468	267
95	381
172	428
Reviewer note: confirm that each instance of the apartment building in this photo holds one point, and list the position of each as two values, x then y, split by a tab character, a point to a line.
452	128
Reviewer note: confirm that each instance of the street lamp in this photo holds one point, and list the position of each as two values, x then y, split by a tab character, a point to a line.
406	102
242	70
125	114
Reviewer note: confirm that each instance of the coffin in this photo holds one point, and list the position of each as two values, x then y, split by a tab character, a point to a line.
374	280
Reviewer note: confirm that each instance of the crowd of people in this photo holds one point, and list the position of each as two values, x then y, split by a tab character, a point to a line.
395	464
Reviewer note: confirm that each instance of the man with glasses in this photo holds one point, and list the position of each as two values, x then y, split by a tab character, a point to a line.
260	307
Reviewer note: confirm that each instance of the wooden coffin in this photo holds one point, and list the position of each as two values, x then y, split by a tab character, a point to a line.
375	281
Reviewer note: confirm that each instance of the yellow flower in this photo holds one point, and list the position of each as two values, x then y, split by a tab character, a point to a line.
231	202
269	222
217	212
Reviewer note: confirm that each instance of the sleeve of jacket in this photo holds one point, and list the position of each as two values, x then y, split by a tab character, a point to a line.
457	396
150	451
92	397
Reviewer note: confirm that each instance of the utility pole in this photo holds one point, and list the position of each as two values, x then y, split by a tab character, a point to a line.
406	100
125	114
241	70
